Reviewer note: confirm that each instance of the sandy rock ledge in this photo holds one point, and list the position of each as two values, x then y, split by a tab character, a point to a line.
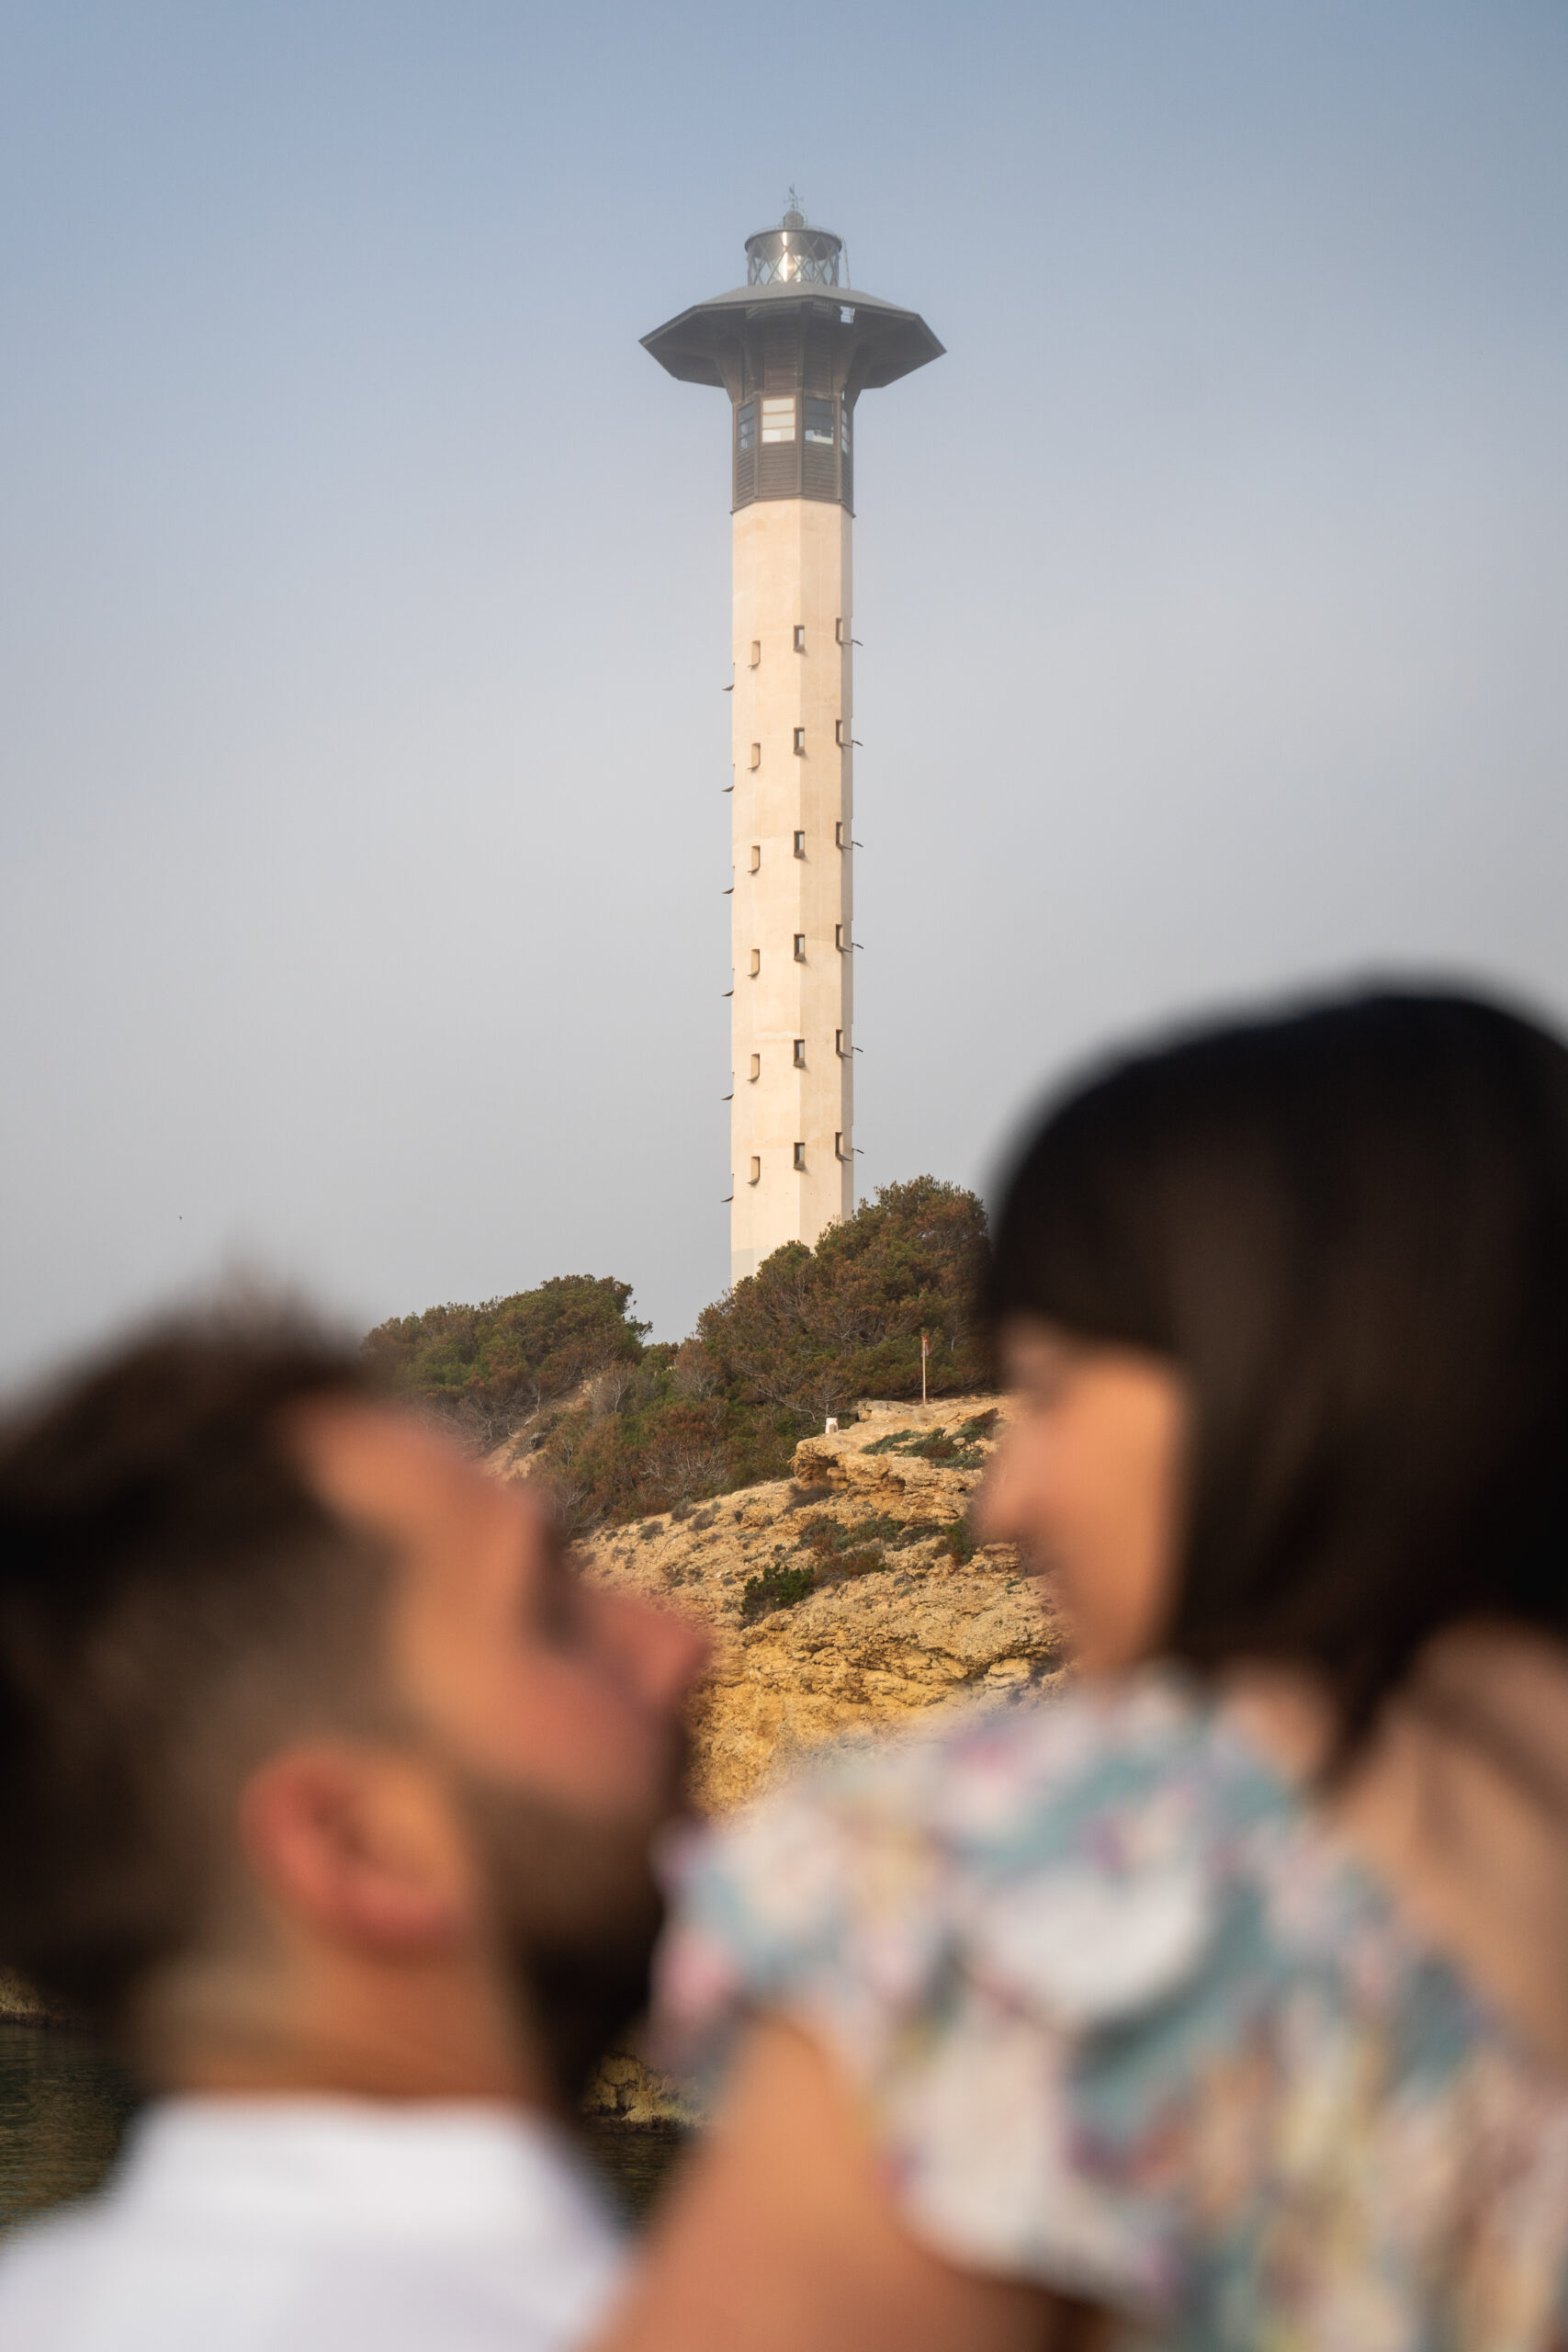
899	1621
897	1624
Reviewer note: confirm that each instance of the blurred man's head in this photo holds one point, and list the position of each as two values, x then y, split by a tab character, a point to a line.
316	1757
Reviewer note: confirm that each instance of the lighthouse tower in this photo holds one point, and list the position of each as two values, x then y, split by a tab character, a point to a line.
795	349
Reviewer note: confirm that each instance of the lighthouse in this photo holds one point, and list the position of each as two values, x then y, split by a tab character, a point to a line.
793	348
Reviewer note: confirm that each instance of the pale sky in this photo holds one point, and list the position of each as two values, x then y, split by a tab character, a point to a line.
364	608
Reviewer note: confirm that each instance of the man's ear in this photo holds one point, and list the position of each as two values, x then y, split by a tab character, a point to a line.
362	1846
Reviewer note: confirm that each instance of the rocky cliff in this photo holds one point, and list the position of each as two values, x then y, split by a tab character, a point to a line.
844	1602
19	2002
846	1599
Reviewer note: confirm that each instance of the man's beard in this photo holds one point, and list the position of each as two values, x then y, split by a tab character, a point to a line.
577	1911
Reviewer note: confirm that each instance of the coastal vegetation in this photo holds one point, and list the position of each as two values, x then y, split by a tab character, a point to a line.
486	1370
624	1428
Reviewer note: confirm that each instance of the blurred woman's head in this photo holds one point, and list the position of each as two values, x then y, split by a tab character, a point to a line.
1288	1306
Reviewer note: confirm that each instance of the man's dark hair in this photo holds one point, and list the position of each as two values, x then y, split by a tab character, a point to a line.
1348	1229
173	1597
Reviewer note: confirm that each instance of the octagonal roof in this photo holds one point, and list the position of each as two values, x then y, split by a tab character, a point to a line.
896	342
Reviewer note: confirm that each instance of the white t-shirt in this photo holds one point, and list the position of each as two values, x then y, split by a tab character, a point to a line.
320	2225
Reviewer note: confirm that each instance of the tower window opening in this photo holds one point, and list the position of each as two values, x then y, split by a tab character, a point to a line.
756	856
756	755
844	428
756	961
839	631
778	420
757	1064
838	730
800	741
800	948
746	426
800	1053
800	844
800	1155
838	832
838	1151
800	636
756	1175
840	941
819	421
837	1044
756	652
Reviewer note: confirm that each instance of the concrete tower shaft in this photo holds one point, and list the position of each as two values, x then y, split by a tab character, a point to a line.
794	350
791	1119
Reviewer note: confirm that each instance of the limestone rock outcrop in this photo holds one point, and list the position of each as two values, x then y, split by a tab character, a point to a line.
902	1615
842	1603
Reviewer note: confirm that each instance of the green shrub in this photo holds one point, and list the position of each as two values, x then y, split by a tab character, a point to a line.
857	1551
957	1542
487	1369
815	1328
932	1445
860	1560
826	1537
979	1425
776	1587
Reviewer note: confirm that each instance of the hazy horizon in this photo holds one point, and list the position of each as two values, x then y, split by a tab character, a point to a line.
365	613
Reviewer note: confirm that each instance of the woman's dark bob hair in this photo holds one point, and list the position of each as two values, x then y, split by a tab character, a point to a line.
1348	1229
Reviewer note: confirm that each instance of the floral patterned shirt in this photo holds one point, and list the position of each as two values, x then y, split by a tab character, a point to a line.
1129	2021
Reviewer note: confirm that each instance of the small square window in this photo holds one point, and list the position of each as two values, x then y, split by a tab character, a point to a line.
800	1053
800	844
756	961
756	755
756	1175
837	1047
838	1151
839	631
800	948
746	426
839	941
756	652
838	730
838	833
800	741
800	636
757	1064
800	1155
756	856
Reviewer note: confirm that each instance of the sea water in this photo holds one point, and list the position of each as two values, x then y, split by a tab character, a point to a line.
63	2108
